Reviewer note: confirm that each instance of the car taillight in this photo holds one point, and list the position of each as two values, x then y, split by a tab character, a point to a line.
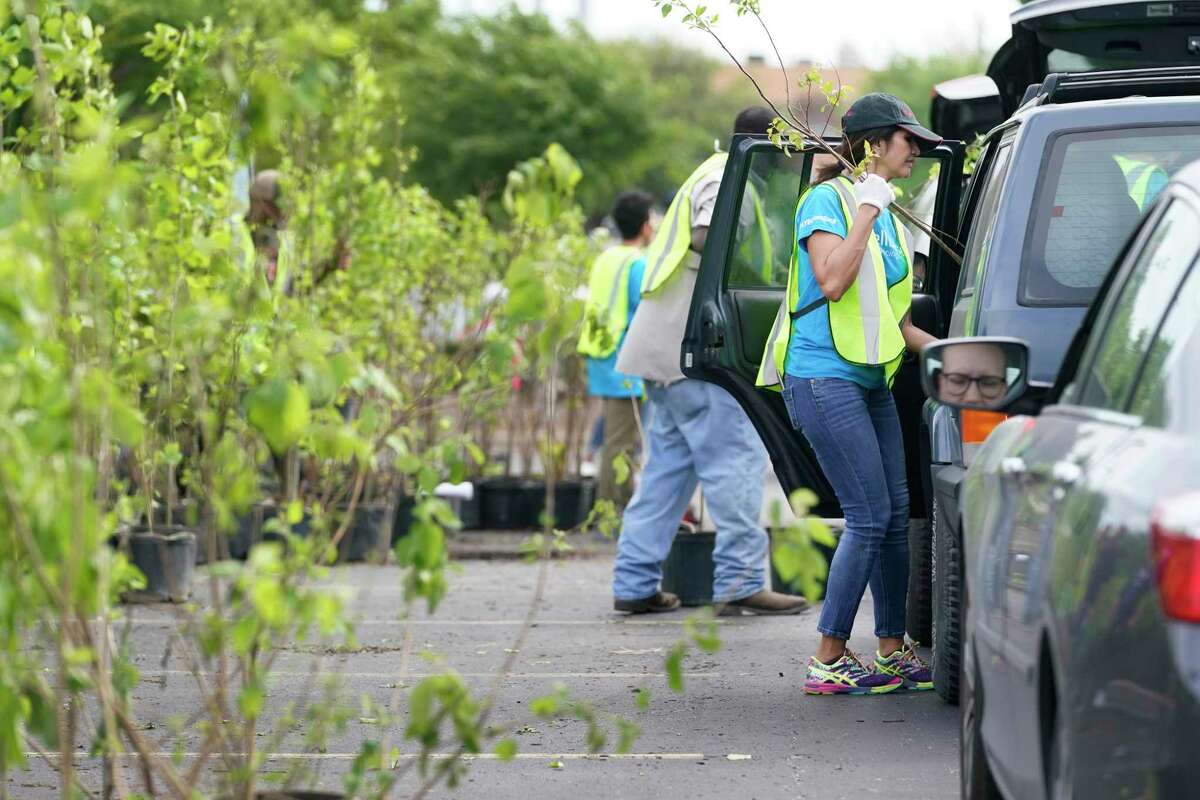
976	425
1175	539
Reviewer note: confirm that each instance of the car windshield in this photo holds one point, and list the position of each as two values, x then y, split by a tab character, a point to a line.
1090	195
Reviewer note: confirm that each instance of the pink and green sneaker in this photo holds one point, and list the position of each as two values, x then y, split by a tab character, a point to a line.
908	666
847	675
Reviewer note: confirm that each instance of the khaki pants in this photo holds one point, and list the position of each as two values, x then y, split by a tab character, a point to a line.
620	437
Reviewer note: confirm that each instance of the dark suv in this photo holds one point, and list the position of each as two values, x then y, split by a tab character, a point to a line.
1058	190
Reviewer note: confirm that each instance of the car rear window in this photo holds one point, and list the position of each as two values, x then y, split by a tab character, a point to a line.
1089	198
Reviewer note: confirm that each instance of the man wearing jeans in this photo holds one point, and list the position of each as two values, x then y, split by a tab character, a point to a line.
698	433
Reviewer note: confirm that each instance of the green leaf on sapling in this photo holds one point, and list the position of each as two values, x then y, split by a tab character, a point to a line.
280	410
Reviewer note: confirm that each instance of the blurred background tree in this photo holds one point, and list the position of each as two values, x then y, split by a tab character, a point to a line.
471	96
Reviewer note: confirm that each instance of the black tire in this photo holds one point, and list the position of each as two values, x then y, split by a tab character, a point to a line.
1060	774
947	608
975	774
919	611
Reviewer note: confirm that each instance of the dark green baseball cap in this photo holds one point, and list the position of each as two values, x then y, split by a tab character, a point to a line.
882	110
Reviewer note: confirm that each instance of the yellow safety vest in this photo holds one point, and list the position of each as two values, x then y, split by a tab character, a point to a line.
766	252
865	322
1138	175
606	315
674	237
255	260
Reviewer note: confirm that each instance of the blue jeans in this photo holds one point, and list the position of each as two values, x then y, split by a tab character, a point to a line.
698	434
855	433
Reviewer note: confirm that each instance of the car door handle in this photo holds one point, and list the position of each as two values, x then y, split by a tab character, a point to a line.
712	326
1013	465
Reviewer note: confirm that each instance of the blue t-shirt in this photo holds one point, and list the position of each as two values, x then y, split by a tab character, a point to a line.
603	378
811	353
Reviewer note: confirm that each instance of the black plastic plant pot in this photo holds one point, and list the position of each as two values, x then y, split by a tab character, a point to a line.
167	558
688	569
780	585
468	510
403	517
268	532
369	535
249	531
517	503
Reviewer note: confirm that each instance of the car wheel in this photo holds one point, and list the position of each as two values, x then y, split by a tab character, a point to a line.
975	774
919	611
1060	774
947	610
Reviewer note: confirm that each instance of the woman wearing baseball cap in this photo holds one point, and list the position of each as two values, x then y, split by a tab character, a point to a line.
849	295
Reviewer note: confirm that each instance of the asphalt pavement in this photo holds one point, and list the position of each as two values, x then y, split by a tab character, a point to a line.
741	729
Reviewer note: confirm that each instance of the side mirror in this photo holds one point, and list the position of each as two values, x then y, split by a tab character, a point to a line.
988	373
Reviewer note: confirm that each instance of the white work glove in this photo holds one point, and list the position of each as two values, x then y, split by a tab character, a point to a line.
873	190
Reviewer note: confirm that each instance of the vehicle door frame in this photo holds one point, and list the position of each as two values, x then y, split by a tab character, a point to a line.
713	311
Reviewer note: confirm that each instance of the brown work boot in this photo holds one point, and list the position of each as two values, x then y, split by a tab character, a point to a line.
654	604
766	603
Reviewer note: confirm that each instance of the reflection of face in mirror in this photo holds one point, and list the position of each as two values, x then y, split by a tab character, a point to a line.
972	374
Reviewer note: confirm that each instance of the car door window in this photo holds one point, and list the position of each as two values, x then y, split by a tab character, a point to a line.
762	242
1128	327
984	222
1168	387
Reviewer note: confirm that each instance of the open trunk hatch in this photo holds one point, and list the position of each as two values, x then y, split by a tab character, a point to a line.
1085	35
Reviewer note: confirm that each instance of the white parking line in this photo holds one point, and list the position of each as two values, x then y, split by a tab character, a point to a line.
484	622
533	676
464	757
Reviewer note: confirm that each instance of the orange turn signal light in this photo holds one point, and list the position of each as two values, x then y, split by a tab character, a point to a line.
976	425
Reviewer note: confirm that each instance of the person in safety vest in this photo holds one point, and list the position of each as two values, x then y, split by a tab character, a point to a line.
1145	179
837	342
267	220
697	433
614	289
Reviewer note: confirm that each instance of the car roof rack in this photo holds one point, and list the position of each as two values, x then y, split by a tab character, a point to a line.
1076	87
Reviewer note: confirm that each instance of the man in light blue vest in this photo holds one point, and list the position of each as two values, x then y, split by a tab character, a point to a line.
614	290
698	434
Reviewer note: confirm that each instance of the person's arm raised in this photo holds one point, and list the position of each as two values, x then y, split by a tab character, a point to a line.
835	260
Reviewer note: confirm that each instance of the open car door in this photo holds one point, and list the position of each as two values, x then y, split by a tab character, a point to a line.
742	280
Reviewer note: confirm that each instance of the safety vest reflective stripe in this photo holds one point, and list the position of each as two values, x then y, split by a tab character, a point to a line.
674	239
865	322
607	309
875	313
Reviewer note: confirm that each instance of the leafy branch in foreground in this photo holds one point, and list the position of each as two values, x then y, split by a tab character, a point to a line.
700	18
